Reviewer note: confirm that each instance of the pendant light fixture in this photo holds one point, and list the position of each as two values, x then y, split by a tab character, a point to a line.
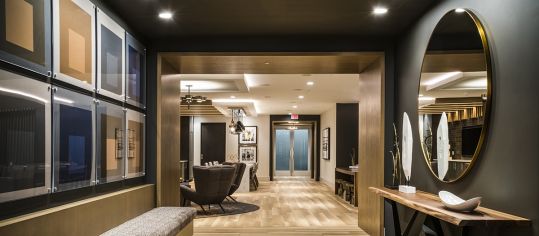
236	124
189	99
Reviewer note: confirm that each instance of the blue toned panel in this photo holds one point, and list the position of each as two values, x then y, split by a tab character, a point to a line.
301	150
282	143
75	144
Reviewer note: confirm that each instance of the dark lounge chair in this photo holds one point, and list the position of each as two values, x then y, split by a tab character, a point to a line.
240	169
212	185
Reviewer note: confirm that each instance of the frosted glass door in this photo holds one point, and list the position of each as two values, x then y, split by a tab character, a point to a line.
282	150
110	57
301	150
110	144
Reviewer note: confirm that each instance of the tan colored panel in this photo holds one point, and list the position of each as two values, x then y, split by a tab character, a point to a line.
110	155
371	147
77	55
92	216
20	23
75	41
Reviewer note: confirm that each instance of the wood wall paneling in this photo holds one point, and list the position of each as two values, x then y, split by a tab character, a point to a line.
168	135
371	147
91	216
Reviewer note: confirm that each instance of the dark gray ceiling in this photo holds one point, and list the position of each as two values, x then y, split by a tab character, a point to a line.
267	17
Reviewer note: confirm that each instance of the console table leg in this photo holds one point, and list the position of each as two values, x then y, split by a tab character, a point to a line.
395	214
415	225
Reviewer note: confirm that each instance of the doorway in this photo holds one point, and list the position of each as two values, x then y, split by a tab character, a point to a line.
292	150
212	142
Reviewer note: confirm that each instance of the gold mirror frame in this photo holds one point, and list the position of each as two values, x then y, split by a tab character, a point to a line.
484	130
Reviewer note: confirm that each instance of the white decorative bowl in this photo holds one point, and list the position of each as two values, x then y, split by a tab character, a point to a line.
452	202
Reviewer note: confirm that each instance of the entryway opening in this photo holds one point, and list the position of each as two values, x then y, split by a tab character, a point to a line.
293	149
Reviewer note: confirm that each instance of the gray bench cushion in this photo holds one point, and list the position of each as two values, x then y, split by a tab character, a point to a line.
159	221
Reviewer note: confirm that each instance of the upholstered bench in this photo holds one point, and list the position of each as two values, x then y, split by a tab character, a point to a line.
162	221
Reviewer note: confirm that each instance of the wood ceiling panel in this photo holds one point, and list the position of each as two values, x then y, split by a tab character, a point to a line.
199	110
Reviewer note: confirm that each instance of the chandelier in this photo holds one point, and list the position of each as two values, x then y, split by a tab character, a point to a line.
188	99
236	124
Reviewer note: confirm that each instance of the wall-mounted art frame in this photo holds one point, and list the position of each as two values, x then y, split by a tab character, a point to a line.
110	57
135	157
326	147
135	83
110	136
249	136
248	154
25	34
25	118
74	42
74	140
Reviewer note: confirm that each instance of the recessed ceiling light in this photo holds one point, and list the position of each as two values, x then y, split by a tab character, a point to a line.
380	10
310	83
267	63
167	15
301	97
232	96
460	10
295	106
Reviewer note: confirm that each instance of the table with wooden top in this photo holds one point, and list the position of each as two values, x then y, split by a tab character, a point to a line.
428	206
349	172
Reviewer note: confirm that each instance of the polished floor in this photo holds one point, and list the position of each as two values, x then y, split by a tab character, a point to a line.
288	206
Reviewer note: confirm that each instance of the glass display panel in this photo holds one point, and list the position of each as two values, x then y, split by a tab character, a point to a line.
111	71
74	42
24	137
301	149
136	73
135	144
73	139
110	142
282	137
25	34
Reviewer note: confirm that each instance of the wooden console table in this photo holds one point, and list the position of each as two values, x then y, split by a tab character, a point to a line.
428	206
346	171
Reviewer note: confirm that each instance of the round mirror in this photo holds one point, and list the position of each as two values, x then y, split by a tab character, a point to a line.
454	95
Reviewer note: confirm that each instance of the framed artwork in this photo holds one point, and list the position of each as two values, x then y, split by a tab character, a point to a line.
73	139
25	129
249	136
135	84
134	143
25	34
325	144
74	42
110	57
248	154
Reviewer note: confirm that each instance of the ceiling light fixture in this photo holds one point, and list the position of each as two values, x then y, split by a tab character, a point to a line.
236	124
426	98
190	99
301	97
310	83
267	63
167	15
460	10
380	10
232	96
295	106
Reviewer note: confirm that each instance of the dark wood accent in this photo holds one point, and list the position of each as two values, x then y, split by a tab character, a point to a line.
212	142
199	110
315	158
431	205
347	133
185	140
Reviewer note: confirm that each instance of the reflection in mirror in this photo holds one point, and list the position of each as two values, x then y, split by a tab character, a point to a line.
453	95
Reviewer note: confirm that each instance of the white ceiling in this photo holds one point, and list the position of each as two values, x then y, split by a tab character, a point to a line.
451	85
278	93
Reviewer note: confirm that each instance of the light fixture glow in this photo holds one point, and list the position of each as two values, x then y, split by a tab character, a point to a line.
380	10
442	77
426	98
310	83
165	15
23	94
65	100
460	10
232	96
301	97
295	106
267	63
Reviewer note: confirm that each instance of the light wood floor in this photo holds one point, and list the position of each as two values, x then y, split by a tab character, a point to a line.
288	206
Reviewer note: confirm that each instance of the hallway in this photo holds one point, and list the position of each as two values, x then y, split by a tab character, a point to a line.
288	206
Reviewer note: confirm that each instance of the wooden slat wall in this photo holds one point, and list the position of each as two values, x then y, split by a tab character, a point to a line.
168	136
91	216
371	147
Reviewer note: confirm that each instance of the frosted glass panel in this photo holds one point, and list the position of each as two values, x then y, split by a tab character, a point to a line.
73	139
24	137
301	149
282	143
110	142
136	79
134	143
110	57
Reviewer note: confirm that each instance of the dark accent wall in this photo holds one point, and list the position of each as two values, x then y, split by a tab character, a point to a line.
185	138
347	129
505	174
315	162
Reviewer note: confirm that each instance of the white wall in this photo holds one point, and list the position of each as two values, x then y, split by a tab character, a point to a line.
327	167
263	123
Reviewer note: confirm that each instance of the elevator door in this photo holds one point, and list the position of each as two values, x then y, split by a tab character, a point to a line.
292	151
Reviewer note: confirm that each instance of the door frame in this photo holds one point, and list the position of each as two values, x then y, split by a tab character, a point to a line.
224	144
310	153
